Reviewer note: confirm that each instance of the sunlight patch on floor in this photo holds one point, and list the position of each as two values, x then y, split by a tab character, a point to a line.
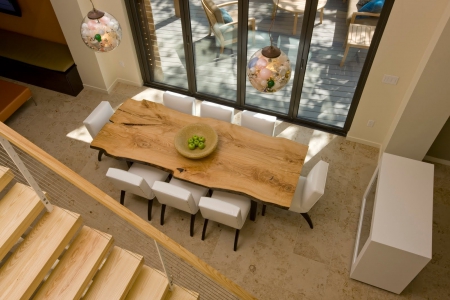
318	141
149	94
80	134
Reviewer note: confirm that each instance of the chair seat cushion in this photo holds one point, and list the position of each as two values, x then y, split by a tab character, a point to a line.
150	174
373	6
226	16
296	204
197	191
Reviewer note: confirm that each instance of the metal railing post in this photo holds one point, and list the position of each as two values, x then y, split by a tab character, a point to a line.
26	174
164	266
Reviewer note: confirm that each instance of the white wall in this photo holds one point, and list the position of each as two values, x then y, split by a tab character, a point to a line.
99	71
405	40
417	125
70	16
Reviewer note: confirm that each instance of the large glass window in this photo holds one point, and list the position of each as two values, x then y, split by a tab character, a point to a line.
214	37
193	47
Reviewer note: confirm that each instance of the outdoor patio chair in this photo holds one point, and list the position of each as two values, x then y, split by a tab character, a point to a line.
225	208
216	111
181	195
179	102
137	180
97	119
261	123
223	24
309	190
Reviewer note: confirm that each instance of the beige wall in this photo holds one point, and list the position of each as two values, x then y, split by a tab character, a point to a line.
440	148
99	71
428	106
406	38
38	20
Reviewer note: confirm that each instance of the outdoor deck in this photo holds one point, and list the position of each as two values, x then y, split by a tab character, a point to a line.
327	90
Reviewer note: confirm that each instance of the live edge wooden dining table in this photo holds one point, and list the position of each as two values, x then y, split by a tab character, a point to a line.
265	169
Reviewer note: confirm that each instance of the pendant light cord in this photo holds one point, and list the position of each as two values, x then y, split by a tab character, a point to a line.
271	24
93	8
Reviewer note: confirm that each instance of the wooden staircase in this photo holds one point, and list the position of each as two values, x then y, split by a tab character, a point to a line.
53	256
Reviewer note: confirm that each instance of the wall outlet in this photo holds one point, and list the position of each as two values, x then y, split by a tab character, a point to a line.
390	79
122	64
370	123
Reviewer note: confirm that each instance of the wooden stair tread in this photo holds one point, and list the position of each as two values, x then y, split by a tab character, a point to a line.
26	268
6	175
150	284
180	293
18	209
117	275
77	266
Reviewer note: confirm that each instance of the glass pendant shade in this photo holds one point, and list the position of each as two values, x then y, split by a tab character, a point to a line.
269	69
100	31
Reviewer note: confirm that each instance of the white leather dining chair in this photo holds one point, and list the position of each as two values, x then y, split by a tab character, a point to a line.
181	195
179	102
97	119
261	123
309	190
225	208
137	180
216	111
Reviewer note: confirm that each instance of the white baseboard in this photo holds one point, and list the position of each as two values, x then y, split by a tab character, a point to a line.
363	141
437	160
94	88
124	81
111	87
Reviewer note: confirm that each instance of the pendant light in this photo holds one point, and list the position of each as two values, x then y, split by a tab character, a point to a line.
269	68
100	31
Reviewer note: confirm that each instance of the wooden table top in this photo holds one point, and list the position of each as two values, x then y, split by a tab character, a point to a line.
245	162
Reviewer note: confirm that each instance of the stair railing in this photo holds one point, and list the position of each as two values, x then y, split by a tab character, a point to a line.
26	174
171	253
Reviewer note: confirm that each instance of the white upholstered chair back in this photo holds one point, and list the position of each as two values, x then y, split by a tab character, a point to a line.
225	208
216	111
179	102
310	189
261	123
98	118
129	182
175	196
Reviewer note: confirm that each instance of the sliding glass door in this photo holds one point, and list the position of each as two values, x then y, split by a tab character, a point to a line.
202	48
214	44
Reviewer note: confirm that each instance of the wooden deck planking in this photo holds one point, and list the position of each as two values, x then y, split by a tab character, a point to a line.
325	85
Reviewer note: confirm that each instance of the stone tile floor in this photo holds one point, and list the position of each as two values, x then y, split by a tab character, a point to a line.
278	256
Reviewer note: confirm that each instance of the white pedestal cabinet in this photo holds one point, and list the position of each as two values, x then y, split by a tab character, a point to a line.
398	245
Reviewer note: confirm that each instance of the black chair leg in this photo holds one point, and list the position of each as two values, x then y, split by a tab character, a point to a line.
192	225
122	197
204	229
163	211
308	219
236	237
100	153
253	208
150	205
264	210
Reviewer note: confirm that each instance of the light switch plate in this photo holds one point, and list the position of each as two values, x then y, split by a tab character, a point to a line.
390	79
